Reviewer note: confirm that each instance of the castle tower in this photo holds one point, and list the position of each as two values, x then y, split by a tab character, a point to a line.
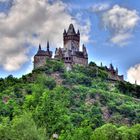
85	52
71	39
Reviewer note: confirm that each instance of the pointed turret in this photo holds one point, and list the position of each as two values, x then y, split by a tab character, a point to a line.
101	64
117	71
64	32
56	51
83	46
85	51
78	32
71	30
48	46
111	67
39	48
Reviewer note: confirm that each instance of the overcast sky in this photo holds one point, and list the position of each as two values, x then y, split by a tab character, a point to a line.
109	28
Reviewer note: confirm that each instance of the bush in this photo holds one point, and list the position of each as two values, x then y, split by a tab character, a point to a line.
129	89
102	74
46	82
106	132
22	127
54	65
76	78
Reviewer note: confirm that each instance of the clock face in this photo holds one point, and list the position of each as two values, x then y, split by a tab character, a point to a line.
75	45
72	45
68	45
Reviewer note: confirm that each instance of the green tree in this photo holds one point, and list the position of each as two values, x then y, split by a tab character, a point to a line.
21	128
106	132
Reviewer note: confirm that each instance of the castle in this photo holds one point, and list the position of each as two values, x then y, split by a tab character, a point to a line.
113	74
70	54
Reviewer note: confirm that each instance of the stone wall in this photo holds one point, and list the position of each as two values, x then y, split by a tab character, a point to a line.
115	77
80	60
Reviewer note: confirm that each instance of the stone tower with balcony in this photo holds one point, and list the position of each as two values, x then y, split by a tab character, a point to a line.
70	53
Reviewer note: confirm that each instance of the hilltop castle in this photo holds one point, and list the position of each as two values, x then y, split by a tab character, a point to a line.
70	54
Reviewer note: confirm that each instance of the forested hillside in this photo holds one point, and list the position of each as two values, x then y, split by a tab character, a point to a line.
81	104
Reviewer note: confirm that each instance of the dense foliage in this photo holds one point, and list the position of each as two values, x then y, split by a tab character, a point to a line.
51	103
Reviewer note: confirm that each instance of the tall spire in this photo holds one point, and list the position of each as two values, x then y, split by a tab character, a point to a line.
48	46
111	67
78	32
101	64
83	47
71	30
39	48
85	51
117	70
64	32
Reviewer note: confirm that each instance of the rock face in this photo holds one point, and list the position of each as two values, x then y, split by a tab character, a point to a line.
57	78
70	52
106	114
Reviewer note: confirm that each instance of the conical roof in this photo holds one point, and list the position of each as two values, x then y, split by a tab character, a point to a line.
71	30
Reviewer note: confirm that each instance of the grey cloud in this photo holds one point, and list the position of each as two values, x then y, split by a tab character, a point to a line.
28	17
120	22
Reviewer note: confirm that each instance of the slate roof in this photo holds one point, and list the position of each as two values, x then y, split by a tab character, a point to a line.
71	30
43	53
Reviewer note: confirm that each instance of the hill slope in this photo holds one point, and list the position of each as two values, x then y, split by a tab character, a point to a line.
82	104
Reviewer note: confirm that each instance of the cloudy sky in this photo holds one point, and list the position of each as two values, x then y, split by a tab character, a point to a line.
109	28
